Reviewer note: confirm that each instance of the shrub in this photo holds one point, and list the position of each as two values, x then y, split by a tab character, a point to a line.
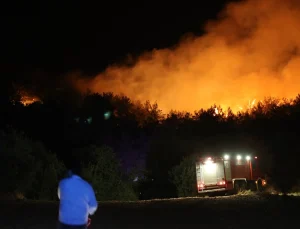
183	176
28	170
103	172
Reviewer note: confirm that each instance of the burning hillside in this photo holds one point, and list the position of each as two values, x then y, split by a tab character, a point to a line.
251	52
27	100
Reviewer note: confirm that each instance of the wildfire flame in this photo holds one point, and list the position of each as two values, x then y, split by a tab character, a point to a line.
251	51
27	100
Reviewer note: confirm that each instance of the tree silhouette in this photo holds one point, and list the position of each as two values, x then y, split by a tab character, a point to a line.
139	133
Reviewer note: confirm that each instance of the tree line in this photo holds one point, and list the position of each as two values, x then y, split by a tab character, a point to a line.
131	150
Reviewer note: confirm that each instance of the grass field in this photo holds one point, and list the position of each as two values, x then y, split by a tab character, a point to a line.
249	211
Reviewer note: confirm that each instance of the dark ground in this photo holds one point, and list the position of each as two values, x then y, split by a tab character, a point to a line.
215	212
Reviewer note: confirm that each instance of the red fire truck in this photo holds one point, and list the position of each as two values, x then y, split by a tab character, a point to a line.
229	173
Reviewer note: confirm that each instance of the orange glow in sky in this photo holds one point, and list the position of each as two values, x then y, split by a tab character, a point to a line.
250	52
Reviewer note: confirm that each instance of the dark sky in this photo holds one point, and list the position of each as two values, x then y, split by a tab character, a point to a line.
61	36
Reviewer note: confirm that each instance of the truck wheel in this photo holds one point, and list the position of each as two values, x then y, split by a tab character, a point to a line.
259	185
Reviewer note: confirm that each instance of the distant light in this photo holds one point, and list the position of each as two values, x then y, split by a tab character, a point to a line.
209	158
89	120
107	115
248	158
226	157
255	157
239	157
136	179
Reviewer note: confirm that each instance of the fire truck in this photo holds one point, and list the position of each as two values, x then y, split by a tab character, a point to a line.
229	173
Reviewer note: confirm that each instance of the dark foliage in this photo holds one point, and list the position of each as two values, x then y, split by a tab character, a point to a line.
143	137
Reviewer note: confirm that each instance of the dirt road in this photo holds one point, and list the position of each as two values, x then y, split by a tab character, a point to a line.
221	212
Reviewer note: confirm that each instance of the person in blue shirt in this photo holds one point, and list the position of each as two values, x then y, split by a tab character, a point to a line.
77	201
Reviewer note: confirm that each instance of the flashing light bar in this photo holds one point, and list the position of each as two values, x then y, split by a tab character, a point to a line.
238	157
226	157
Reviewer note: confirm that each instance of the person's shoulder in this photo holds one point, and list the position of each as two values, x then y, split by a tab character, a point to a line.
87	184
64	180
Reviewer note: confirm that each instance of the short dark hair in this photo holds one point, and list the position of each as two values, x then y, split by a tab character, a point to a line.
76	168
76	171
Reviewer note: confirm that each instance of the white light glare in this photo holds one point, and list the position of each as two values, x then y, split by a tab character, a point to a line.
226	157
248	158
238	157
210	168
208	161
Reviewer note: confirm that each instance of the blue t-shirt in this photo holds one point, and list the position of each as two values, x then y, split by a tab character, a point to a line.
77	201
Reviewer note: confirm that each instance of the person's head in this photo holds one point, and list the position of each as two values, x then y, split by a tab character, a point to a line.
75	169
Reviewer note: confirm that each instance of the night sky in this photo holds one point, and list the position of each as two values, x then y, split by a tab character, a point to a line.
58	37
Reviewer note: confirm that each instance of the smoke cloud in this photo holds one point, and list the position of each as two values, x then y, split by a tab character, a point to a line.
250	52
